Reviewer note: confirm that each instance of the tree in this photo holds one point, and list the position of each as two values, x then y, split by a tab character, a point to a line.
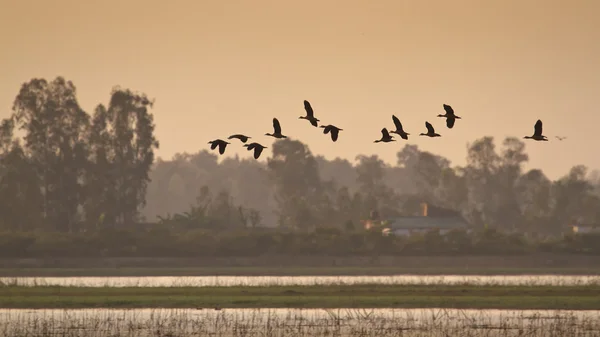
482	165
512	158
299	191
426	170
55	143
376	194
574	199
20	195
533	194
124	144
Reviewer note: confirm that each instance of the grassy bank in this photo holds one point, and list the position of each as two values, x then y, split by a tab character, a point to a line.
303	265
371	296
287	271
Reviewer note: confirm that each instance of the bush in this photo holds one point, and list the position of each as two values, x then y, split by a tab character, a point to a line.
164	241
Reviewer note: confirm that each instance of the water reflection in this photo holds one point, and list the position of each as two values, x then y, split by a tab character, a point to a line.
205	281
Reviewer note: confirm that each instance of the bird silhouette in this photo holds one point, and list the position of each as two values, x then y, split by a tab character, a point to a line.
560	138
385	137
258	148
309	114
450	116
276	130
399	130
537	132
332	130
430	131
220	143
242	138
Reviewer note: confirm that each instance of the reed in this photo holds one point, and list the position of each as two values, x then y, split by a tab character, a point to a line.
297	323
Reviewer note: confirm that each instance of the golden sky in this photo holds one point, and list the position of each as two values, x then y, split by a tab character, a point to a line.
229	66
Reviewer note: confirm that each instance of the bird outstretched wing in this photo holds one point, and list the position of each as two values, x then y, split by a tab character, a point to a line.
397	123
240	137
334	134
222	146
448	109
308	108
257	151
385	133
429	127
538	128
276	126
450	122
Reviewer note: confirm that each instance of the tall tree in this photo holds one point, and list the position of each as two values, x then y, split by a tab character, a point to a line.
574	200
123	153
533	194
55	142
20	195
376	194
299	192
482	166
512	158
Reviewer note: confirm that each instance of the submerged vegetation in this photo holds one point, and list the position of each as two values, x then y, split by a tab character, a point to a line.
298	323
321	296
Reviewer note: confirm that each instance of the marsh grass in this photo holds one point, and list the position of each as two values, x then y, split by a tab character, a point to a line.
296	322
252	281
323	296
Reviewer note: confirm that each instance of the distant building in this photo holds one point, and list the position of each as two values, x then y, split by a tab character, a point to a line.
431	218
585	228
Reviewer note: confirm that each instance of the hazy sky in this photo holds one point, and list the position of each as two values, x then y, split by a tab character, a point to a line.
229	66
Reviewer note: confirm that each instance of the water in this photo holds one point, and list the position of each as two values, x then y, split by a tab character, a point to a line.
230	281
298	322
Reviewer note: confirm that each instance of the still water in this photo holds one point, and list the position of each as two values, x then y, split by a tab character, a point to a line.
297	322
230	281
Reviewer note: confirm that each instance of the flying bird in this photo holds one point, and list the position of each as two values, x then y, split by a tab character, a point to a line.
309	114
537	133
385	137
399	130
430	131
220	143
560	138
333	130
450	116
256	147
276	130
242	138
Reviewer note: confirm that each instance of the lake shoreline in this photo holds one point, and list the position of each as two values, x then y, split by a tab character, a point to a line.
560	264
330	296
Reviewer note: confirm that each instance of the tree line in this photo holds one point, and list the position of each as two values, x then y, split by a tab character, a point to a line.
65	170
296	189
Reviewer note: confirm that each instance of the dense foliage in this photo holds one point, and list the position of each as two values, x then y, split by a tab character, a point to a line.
71	171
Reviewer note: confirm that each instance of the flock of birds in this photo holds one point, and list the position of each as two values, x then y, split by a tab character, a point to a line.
334	131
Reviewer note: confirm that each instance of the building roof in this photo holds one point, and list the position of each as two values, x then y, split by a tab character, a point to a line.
426	222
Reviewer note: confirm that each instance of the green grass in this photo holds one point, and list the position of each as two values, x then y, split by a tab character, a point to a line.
353	296
287	271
